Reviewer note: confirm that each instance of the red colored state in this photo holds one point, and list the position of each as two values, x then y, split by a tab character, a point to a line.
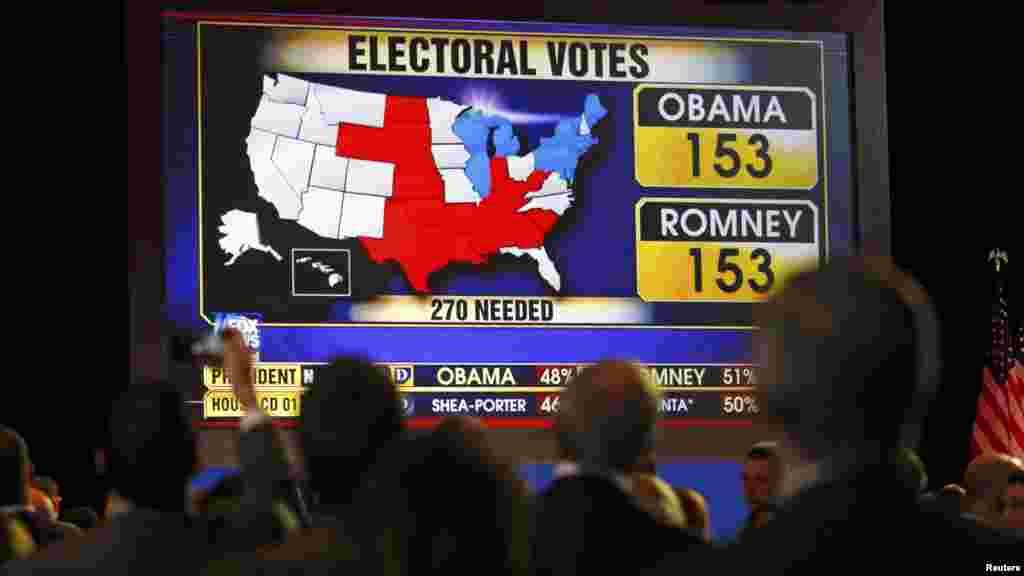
422	232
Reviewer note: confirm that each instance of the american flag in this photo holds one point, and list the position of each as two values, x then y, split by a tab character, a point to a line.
999	421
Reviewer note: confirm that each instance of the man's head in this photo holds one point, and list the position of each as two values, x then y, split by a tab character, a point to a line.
985	481
153	446
467	443
1013	502
762	475
607	416
15	470
444	526
840	360
352	412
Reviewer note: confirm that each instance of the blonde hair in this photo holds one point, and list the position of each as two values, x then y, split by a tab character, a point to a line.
658	499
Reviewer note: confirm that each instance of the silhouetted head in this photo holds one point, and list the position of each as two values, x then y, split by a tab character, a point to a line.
153	446
608	415
844	351
463	505
348	417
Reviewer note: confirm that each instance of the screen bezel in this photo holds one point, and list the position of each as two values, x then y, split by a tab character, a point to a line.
862	23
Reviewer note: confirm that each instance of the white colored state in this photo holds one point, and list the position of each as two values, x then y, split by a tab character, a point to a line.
554	195
545	267
292	153
558	203
520	167
457	187
241	232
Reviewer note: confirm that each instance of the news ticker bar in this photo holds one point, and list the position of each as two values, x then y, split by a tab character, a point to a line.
713	405
504	391
425	377
426	422
698	403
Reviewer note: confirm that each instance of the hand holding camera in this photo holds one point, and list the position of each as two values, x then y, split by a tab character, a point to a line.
238	364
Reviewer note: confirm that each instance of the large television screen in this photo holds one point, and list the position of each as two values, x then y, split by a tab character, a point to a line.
484	208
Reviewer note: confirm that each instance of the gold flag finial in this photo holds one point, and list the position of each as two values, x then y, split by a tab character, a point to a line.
998	257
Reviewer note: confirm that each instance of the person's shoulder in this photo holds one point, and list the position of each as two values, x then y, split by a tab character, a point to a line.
573	504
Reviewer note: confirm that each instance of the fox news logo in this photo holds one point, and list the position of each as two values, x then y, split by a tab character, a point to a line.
247	326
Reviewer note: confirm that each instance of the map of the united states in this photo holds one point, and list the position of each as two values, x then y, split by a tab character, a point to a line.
424	182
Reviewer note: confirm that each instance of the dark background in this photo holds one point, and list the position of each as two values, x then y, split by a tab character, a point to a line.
952	165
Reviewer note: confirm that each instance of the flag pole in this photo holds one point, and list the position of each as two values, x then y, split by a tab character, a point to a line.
999	258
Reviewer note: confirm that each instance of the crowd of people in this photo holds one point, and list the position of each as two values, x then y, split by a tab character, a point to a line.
838	352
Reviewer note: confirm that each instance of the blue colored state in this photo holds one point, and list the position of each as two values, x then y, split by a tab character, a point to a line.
559	153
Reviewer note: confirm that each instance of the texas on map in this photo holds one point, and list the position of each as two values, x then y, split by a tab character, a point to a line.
423	182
